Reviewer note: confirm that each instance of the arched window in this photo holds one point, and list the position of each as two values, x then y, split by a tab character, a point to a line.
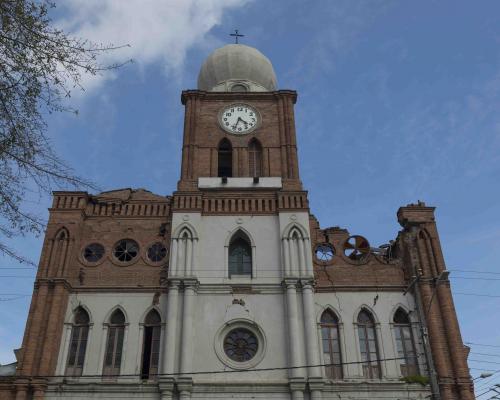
78	343
225	158
255	158
368	345
114	345
240	255
151	345
405	344
331	344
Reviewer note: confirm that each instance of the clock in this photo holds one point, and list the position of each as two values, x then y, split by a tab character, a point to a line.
239	118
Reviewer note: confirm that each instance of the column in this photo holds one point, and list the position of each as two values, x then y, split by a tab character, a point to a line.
310	329
293	328
168	365
187	327
173	258
308	257
286	256
311	339
302	260
189	257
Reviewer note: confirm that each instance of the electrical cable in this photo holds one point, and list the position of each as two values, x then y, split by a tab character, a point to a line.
482	344
486	354
218	371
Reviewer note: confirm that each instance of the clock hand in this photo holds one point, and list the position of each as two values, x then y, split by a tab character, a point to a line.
242	120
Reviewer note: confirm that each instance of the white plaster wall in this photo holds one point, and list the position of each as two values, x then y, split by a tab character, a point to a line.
100	307
213	311
214	232
382	305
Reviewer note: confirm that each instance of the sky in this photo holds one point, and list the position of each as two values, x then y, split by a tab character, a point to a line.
397	102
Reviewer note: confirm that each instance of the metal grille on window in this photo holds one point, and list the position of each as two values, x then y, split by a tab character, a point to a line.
324	252
93	252
78	343
157	252
255	158
368	345
331	345
405	344
151	345
114	345
240	255
126	250
241	345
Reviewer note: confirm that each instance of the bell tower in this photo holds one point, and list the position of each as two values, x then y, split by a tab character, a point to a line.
240	227
238	127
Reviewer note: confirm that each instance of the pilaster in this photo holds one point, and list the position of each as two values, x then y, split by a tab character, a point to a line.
168	365
311	338
291	312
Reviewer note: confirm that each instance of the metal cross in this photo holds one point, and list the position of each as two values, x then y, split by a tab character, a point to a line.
236	35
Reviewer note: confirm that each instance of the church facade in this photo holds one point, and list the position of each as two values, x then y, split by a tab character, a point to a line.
229	288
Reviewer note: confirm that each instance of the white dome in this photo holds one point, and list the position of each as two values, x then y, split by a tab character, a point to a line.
237	65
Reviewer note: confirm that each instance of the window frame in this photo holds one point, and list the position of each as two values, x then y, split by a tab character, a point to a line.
255	158
155	328
405	368
223	153
337	371
371	368
113	370
83	330
237	235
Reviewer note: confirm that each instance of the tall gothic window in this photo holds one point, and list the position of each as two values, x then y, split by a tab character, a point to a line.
331	345
78	344
151	345
368	345
225	158
405	344
114	344
255	158
240	255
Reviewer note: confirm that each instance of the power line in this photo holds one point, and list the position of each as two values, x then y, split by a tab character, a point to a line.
486	362
486	354
474	279
476	294
118	288
476	272
221	371
481	344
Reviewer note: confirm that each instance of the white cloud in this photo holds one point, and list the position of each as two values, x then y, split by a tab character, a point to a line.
156	30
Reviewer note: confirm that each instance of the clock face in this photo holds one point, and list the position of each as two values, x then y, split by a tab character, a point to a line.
239	118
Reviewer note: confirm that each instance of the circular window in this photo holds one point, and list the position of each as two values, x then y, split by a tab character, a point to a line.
324	252
357	248
93	252
157	252
126	250
241	345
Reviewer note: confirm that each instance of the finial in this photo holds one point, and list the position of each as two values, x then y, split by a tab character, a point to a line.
236	35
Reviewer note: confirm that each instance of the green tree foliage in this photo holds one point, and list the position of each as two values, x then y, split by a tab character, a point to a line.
39	67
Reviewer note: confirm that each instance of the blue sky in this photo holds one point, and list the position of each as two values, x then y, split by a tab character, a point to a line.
398	102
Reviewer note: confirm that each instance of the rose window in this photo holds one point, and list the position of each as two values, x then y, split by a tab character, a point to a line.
324	252
126	250
93	252
241	345
157	252
357	248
